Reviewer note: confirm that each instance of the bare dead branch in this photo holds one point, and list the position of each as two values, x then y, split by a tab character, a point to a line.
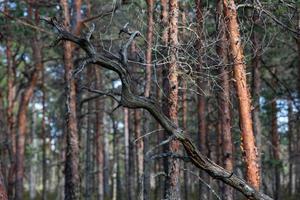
130	100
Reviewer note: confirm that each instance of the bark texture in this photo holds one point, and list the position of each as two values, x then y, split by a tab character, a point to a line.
72	180
239	68
172	190
224	99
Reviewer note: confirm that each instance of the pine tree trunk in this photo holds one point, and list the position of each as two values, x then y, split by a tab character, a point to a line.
147	165
237	54
11	135
22	116
72	180
88	144
44	135
34	157
224	100
256	85
172	191
184	21
201	104
100	138
275	149
126	158
291	185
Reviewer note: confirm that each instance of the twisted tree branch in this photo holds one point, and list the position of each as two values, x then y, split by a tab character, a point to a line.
130	100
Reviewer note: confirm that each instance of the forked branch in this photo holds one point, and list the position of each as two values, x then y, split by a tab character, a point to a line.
130	100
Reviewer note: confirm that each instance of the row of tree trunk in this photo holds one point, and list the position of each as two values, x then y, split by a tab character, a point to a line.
230	53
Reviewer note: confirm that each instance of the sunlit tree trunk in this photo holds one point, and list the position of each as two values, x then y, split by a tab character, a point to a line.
224	99
237	54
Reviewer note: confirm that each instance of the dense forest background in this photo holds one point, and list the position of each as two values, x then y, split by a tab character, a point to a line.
154	99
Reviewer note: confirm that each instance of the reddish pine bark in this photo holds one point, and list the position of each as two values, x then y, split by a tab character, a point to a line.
237	54
72	181
224	98
172	190
201	104
22	116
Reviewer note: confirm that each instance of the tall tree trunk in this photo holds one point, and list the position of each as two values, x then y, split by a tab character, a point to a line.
139	148
100	138
275	149
137	126
126	158
34	157
11	135
237	54
291	185
297	139
201	104
3	169
88	144
72	180
224	99
116	168
147	168
186	180
44	136
22	115
184	127
256	85
172	190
